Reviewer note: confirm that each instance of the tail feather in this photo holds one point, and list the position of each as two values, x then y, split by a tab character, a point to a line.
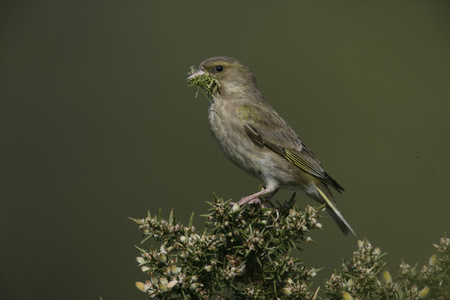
336	214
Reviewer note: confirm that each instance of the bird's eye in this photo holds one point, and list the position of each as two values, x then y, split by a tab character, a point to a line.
219	68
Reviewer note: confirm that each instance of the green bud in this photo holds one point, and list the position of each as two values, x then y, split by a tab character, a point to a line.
162	257
346	296
163	288
433	260
424	292
173	269
286	291
142	287
195	285
163	280
387	276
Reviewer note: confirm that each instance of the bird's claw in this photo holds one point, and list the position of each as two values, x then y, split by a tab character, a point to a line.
246	200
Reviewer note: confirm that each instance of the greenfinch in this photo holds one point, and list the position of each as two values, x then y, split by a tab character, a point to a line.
256	139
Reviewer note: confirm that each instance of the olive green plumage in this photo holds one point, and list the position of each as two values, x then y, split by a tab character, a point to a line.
256	139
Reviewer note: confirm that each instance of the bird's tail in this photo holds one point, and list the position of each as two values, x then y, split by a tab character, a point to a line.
336	214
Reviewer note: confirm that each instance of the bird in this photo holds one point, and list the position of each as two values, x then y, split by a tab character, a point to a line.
255	138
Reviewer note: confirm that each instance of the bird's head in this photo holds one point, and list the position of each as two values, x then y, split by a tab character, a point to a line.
231	75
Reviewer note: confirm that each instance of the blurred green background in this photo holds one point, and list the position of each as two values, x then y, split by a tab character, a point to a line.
97	124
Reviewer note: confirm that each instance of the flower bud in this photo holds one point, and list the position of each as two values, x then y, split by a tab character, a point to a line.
184	254
140	260
208	268
172	284
360	244
377	251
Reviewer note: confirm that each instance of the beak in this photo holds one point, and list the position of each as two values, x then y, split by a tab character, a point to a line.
198	72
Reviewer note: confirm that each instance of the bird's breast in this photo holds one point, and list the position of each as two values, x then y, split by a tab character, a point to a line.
229	134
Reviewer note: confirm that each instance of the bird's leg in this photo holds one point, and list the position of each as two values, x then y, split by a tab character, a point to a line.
252	199
271	195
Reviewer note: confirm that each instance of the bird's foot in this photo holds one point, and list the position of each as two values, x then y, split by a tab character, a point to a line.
247	200
254	198
244	201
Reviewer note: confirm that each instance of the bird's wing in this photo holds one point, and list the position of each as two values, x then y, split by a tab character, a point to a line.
267	129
